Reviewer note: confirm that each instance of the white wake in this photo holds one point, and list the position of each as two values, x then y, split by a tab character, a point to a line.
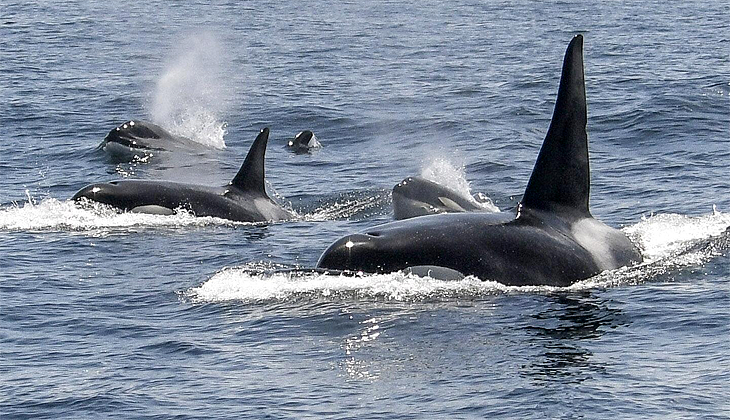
668	242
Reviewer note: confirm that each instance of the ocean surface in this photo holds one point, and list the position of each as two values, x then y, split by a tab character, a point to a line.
130	316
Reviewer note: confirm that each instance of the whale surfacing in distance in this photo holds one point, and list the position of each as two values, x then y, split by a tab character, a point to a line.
550	239
244	199
304	142
416	196
140	139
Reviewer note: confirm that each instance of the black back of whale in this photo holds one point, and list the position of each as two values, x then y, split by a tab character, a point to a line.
550	239
143	138
243	199
416	196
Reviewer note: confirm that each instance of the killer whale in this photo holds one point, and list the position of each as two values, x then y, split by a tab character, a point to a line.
141	139
550	239
417	196
243	199
304	142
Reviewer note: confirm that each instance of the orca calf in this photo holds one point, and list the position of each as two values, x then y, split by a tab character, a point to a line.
141	139
416	196
243	199
550	239
304	142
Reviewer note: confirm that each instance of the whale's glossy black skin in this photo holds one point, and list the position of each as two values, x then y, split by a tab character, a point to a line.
243	199
550	239
416	196
141	139
304	142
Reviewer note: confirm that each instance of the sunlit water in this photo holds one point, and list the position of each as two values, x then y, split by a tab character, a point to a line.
115	315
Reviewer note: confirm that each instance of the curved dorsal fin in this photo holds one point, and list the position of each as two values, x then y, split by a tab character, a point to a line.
251	175
560	180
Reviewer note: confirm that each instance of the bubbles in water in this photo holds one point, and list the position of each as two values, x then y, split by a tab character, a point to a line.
190	95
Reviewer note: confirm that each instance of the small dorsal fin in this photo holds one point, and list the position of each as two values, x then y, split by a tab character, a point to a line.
560	180
251	175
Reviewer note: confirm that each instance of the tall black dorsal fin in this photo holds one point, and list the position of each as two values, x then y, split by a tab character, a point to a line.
251	175
561	177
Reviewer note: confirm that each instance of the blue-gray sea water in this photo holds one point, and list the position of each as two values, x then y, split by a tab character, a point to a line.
130	316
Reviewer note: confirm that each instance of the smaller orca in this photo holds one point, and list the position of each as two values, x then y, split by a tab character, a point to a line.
142	139
305	141
244	199
416	196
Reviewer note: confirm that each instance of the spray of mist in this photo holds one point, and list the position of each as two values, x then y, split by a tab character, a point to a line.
445	173
189	97
442	171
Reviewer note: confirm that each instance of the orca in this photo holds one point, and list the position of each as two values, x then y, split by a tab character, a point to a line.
142	139
244	199
304	142
416	196
550	239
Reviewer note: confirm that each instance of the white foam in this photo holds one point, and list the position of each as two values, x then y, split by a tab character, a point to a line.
241	284
52	214
660	236
666	240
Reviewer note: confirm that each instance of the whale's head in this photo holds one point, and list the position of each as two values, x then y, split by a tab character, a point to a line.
392	247
132	134
354	253
303	142
416	196
116	194
382	252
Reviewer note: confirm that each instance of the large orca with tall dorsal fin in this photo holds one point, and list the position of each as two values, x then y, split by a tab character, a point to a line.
550	239
243	199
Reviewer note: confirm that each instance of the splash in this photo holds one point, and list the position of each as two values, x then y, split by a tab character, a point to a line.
51	214
442	171
189	96
248	285
670	243
665	235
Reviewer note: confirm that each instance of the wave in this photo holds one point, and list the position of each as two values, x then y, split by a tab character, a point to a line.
669	242
350	205
51	214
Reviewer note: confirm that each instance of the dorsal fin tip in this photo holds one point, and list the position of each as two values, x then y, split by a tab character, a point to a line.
251	175
560	180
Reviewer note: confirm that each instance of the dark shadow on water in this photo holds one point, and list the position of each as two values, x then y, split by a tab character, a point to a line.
567	326
563	330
